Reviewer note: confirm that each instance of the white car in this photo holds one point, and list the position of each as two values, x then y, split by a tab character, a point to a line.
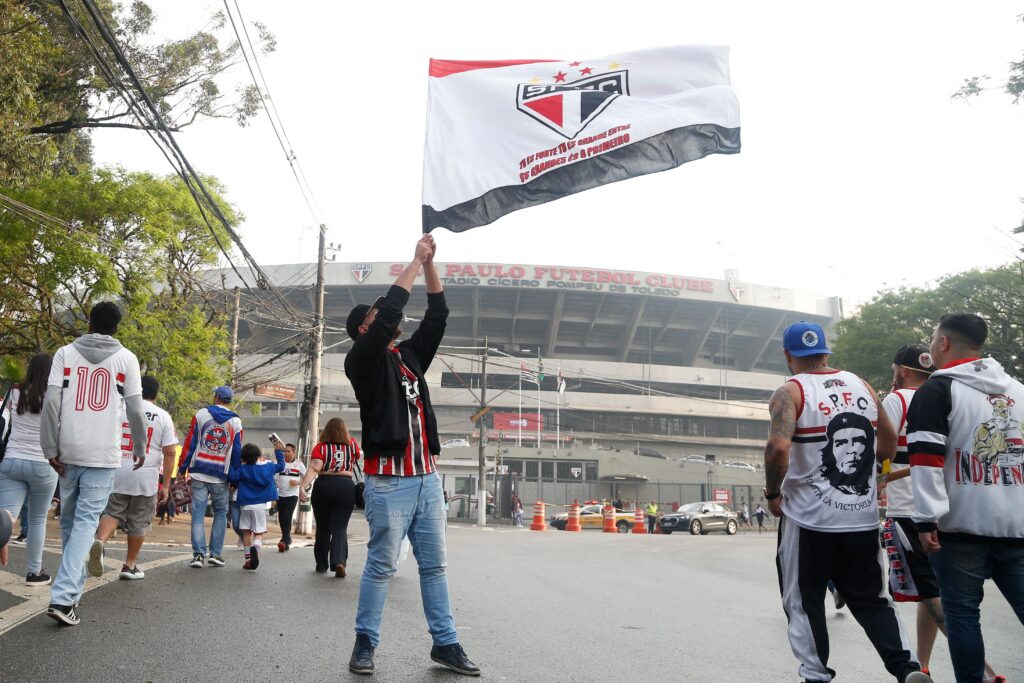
698	459
455	443
736	464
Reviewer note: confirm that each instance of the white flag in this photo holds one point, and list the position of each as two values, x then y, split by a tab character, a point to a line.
505	135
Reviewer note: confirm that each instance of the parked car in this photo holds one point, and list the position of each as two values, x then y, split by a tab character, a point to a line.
700	518
736	464
455	443
650	453
698	459
591	518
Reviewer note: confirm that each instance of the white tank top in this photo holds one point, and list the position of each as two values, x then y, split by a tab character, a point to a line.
830	485
898	493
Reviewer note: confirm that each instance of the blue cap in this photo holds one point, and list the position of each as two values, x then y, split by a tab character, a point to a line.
804	339
224	393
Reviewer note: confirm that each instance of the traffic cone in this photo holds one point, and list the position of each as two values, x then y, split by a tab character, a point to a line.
657	527
538	517
609	520
639	526
573	523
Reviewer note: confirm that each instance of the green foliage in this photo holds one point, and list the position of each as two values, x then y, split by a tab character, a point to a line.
133	237
52	91
868	340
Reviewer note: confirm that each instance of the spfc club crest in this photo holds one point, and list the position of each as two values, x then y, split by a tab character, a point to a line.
568	108
361	271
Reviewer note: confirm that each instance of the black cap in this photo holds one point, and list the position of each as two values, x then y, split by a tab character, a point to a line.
915	357
358	314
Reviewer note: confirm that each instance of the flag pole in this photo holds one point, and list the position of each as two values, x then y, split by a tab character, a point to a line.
540	374
519	441
558	410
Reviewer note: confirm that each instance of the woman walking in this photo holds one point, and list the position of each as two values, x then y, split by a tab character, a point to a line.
24	473
334	495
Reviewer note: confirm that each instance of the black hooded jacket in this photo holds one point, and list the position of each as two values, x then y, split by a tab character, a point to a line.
377	378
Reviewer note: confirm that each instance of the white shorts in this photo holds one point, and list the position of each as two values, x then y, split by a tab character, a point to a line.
253	520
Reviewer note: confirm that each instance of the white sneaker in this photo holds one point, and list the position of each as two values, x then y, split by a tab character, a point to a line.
131	573
96	559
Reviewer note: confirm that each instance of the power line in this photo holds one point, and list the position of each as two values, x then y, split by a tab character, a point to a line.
278	125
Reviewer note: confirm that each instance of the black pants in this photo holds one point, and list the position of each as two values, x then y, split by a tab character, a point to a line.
807	560
333	499
285	510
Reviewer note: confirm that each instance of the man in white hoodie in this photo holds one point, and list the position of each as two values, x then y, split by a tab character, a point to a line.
967	474
94	382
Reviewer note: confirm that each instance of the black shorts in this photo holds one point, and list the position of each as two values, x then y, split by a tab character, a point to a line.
911	578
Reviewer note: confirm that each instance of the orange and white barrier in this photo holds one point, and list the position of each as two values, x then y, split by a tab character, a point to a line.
538	517
573	522
639	524
609	520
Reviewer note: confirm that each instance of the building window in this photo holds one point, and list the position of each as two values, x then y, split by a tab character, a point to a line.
531	470
547	470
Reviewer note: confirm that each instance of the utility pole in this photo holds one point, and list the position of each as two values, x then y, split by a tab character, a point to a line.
309	419
234	335
481	486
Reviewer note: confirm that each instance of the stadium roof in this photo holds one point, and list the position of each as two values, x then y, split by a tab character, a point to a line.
573	312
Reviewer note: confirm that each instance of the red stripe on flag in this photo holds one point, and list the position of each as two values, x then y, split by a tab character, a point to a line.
926	460
811	430
439	68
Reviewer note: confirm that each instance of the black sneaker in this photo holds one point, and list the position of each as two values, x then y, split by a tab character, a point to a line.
254	556
20	540
454	657
215	561
64	615
197	561
362	655
40	579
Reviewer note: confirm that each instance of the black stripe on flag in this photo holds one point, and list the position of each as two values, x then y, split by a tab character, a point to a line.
657	153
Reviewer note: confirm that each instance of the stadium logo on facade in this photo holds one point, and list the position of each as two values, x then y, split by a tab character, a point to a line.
361	271
567	108
736	287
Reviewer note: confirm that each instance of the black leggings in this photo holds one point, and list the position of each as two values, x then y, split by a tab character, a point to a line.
333	499
285	510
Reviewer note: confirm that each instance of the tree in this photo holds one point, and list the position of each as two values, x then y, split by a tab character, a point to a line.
53	91
867	341
136	238
1013	86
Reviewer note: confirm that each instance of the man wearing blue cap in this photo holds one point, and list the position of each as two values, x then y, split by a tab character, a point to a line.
212	447
827	432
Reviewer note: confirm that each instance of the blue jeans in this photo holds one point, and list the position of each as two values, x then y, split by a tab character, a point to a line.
27	483
962	569
396	507
83	494
219	496
236	517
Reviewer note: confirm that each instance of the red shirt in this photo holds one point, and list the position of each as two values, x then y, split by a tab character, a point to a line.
418	458
336	457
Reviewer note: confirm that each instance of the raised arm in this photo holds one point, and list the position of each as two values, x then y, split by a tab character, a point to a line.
427	337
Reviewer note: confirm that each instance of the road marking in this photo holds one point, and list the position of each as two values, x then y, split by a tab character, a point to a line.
37	599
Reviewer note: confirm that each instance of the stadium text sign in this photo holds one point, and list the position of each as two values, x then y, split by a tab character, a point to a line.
558	277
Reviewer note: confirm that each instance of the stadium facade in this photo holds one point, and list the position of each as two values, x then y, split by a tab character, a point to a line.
651	363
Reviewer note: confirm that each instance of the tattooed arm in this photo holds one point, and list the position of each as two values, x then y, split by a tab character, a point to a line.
782	409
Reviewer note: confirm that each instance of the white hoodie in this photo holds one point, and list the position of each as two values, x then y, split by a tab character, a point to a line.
964	435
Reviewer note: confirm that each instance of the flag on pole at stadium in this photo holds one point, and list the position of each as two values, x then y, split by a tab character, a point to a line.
506	135
527	375
561	381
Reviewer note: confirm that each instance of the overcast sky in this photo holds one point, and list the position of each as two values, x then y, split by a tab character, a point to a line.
857	172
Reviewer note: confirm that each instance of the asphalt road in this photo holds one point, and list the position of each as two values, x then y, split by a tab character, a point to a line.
529	606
